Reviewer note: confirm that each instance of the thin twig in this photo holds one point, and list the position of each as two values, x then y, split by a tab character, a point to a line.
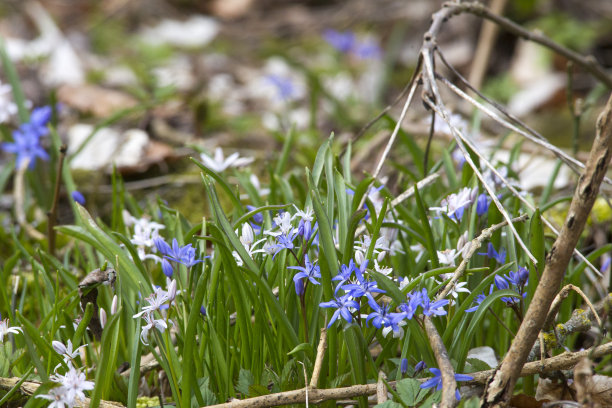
52	214
316	371
449	385
475	244
19	196
478	9
381	388
557	303
499	389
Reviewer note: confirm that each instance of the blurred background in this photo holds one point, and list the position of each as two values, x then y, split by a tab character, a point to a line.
141	84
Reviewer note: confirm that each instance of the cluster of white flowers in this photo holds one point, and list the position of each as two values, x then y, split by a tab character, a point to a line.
72	385
145	232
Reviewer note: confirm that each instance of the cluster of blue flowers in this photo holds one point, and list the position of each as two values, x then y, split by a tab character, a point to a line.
185	255
27	138
382	315
347	42
514	280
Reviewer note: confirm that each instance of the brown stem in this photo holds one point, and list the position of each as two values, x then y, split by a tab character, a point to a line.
449	385
316	371
499	390
52	214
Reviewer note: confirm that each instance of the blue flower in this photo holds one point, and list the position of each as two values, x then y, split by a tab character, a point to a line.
381	317
404	365
493	254
409	308
342	305
78	197
502	284
284	87
363	286
482	204
519	278
26	143
479	299
184	255
432	308
343	41
345	273
285	241
420	366
436	381
309	271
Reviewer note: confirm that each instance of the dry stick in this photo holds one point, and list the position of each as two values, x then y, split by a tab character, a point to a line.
488	35
499	390
449	385
381	388
581	321
514	191
475	244
52	214
561	362
589	63
564	361
19	196
529	133
381	114
550	318
316	371
440	109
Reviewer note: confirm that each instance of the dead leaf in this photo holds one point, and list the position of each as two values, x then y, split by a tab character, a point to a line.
95	100
526	401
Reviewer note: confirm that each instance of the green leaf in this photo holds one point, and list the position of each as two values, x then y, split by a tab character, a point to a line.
303	347
245	381
410	391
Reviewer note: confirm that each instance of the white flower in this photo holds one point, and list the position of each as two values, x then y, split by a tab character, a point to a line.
70	392
151	323
306	215
283	222
454	204
66	350
58	397
5	329
260	190
219	163
157	299
447	257
145	231
382	269
8	108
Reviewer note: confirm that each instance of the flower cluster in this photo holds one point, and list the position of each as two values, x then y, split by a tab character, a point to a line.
72	384
185	255
27	138
145	233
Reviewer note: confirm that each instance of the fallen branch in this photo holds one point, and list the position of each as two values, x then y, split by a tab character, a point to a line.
500	389
563	361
